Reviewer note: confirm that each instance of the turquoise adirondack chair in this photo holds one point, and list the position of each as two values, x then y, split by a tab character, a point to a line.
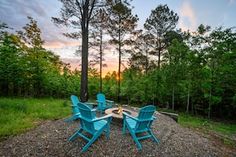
89	123
103	104
140	124
75	109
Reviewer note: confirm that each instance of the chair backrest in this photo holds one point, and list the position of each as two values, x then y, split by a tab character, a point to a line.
75	101
101	98
145	117
86	117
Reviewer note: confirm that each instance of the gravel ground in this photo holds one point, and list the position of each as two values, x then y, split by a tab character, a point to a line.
50	139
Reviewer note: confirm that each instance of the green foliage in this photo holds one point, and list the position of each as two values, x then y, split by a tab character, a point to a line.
223	131
159	25
27	69
121	23
31	34
196	73
202	123
18	115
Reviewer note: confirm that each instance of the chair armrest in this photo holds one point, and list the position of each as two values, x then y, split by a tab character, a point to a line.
101	118
94	109
99	101
110	101
90	104
74	106
134	118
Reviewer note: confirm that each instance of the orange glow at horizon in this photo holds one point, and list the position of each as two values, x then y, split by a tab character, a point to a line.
112	65
66	51
59	44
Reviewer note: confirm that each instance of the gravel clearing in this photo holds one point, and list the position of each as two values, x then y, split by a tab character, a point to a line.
50	139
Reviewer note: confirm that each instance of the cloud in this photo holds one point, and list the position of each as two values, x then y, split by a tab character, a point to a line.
57	44
230	2
14	10
187	17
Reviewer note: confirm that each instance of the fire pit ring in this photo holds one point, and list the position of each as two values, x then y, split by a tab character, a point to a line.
116	115
117	111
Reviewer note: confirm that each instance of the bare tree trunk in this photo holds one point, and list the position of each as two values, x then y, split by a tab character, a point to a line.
119	66
146	63
146	70
187	108
159	59
101	50
173	98
159	54
119	71
192	107
209	106
84	67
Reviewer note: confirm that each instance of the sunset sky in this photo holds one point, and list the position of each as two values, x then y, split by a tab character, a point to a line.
191	12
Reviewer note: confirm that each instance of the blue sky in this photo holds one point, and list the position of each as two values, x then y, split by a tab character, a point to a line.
192	13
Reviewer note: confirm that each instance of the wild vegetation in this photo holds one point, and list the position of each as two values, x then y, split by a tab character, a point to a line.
18	115
192	72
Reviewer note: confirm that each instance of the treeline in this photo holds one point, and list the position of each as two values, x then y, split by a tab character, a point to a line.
188	71
29	70
197	75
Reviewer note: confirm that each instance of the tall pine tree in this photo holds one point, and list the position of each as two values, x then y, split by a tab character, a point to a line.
121	24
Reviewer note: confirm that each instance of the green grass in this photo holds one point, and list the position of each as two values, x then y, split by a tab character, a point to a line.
18	115
202	123
222	131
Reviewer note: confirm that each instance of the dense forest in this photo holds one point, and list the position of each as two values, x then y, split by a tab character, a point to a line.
188	71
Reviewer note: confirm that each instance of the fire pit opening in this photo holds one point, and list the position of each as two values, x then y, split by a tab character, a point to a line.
120	110
117	113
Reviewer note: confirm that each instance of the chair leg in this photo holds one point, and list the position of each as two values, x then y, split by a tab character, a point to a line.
154	137
108	131
124	127
138	144
95	136
73	137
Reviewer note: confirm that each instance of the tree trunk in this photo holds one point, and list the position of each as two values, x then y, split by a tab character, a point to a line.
173	98
192	107
159	54
101	33
159	59
146	83
84	56
119	66
209	106
187	108
119	70
146	63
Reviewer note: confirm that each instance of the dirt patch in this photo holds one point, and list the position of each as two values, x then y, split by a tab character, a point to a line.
50	139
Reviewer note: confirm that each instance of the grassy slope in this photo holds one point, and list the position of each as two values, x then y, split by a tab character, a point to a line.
220	131
18	115
188	120
198	122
